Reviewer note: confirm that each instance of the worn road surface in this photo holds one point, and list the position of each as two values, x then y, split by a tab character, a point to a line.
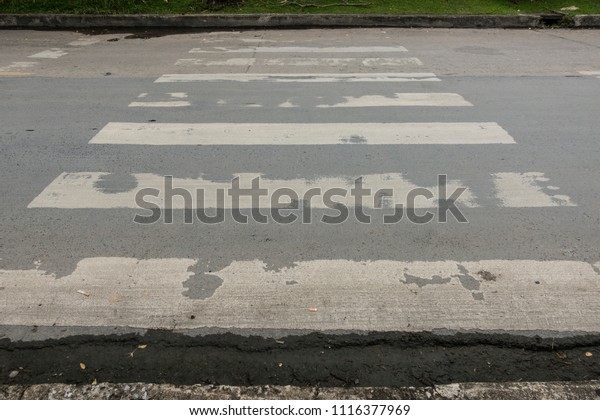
471	256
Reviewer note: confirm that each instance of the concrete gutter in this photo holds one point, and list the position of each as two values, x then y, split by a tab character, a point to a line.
140	391
57	21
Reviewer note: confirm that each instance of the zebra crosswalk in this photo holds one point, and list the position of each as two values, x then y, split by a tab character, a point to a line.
312	293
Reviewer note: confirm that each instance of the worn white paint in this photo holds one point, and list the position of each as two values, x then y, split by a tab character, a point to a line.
311	50
287	104
178	95
401	99
299	78
243	62
524	295
528	189
51	53
16	66
301	134
84	190
84	42
160	104
590	73
310	61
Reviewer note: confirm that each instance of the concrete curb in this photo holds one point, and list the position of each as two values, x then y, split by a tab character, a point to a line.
586	21
58	21
140	391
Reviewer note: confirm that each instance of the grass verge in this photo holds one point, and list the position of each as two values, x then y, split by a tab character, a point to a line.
301	6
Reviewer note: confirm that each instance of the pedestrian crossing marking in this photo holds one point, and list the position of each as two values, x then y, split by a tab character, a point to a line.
310	50
527	189
296	62
380	295
401	99
301	134
84	190
51	53
299	77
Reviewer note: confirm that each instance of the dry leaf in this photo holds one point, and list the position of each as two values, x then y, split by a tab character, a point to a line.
82	366
94	382
142	346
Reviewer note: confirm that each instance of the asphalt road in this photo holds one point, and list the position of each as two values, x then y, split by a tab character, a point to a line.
87	121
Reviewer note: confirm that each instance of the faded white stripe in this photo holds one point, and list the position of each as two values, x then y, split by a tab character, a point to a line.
528	189
89	190
299	78
492	295
18	65
84	42
369	62
301	134
159	104
401	99
51	53
260	49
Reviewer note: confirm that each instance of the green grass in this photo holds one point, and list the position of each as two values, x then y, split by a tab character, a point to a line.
296	6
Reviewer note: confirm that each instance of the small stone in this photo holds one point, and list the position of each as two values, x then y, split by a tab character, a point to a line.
13	374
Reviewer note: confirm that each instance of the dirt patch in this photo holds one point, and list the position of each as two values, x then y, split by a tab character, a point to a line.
487	276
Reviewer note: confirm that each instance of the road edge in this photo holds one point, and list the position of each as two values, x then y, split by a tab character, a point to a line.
588	390
236	21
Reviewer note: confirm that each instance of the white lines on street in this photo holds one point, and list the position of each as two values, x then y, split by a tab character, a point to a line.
298	62
18	68
299	78
84	190
382	295
84	42
173	101
311	50
527	190
160	104
401	99
591	73
51	53
208	62
301	134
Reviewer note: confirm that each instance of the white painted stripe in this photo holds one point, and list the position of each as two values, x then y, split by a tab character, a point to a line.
51	53
285	49
529	189
159	104
18	65
242	62
84	190
369	62
492	295
301	134
401	99
84	42
297	78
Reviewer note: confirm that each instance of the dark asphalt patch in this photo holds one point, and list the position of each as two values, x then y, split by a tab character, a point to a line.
377	359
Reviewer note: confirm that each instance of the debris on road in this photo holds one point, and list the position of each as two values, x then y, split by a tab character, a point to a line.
82	366
84	293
